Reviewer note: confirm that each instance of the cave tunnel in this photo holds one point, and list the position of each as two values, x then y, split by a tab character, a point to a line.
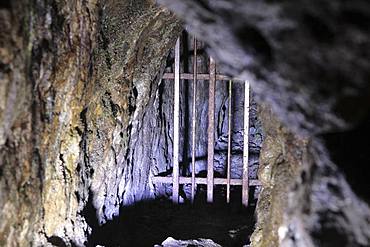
185	123
225	218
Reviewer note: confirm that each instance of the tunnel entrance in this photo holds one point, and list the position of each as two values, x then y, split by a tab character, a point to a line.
203	176
207	130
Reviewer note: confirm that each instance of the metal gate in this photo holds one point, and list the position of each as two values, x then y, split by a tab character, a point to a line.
210	180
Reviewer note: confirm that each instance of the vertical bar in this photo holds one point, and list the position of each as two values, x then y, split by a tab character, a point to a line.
229	145
194	121
211	129
176	124
245	182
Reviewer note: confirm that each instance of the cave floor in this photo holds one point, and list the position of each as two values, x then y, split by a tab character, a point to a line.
150	222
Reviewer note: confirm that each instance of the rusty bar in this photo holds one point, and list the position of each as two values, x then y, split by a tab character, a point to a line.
194	121
188	76
245	185
176	125
229	145
211	129
218	181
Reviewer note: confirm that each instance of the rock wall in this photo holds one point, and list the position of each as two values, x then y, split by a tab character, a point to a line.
281	159
75	78
77	86
305	200
130	56
309	62
20	185
300	56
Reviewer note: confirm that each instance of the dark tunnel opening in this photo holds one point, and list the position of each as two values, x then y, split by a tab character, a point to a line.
150	221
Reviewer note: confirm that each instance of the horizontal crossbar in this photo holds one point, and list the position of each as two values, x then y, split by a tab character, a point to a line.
187	76
222	181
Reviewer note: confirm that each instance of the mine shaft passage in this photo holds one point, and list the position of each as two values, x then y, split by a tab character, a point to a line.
211	127
206	153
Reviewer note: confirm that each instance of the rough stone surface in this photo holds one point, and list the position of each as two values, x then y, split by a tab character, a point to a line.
76	85
305	201
46	53
266	42
134	40
281	158
309	61
74	80
19	182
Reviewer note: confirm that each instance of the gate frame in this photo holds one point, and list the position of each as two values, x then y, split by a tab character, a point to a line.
210	181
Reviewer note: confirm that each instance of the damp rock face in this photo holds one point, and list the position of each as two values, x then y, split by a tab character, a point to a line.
282	156
309	62
300	56
74	81
305	201
134	39
45	58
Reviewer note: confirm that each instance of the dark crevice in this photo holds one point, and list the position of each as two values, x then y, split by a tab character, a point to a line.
328	234
103	39
63	167
132	101
5	4
253	40
359	17
318	28
56	241
349	151
89	214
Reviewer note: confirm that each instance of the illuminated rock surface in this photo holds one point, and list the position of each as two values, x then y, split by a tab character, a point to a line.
77	80
71	75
